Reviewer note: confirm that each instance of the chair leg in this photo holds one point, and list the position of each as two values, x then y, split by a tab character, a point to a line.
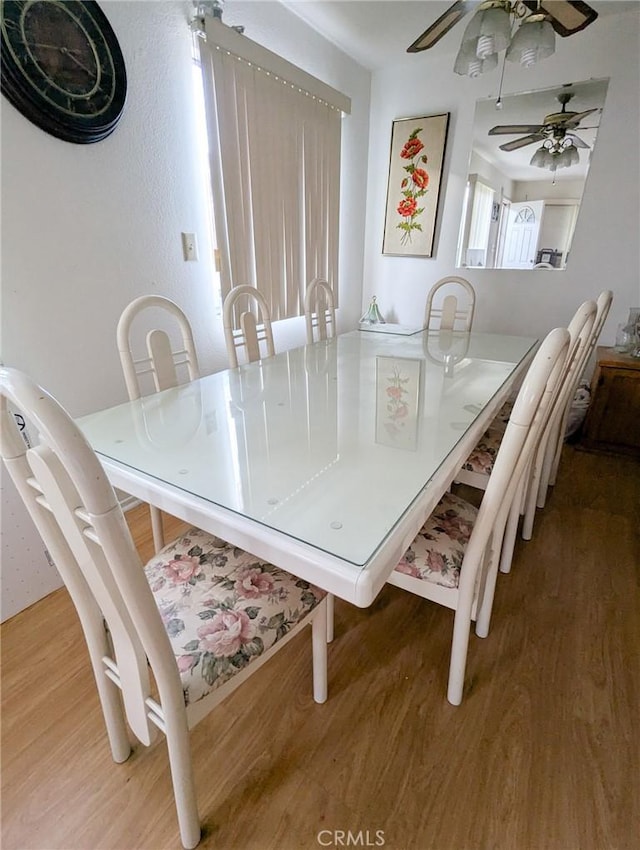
531	491
545	477
184	790
330	616
509	539
547	468
114	719
483	615
558	453
156	527
319	649
99	645
458	663
530	511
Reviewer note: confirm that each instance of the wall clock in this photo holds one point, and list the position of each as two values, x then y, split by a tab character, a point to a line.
62	67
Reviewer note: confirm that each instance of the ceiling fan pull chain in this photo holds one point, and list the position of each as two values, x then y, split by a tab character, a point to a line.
499	100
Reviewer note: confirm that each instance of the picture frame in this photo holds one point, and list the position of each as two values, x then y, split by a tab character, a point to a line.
398	390
416	162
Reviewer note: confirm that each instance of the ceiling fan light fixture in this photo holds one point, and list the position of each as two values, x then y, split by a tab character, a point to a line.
554	154
489	31
574	156
467	64
577	142
541	158
534	40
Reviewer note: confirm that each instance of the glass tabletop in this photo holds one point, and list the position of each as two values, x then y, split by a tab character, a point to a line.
329	443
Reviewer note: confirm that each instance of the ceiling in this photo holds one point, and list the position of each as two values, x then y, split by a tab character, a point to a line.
376	33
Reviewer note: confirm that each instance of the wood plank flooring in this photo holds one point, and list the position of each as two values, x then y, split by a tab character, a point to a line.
543	753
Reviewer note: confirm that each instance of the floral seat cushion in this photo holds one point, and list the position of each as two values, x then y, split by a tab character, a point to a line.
483	457
437	552
501	419
222	607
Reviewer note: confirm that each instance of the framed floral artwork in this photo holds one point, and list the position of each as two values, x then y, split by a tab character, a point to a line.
398	401
415	176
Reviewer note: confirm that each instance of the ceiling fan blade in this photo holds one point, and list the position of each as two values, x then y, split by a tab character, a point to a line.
577	141
567	16
574	120
442	26
523	142
503	129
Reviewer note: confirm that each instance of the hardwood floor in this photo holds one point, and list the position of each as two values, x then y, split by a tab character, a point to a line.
543	753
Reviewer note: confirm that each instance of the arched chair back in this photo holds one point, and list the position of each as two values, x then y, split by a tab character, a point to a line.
79	518
459	569
580	332
169	360
319	311
163	358
145	678
455	310
247	329
603	305
478	468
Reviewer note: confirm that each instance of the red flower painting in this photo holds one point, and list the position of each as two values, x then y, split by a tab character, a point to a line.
407	207
413	187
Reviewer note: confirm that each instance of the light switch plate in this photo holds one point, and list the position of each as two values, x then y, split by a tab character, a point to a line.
189	246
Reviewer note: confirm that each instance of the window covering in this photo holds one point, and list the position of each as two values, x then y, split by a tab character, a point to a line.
274	135
481	216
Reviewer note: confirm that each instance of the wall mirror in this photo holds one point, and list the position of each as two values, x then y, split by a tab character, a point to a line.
527	172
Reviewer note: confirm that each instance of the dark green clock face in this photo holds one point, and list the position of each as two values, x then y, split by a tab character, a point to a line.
62	67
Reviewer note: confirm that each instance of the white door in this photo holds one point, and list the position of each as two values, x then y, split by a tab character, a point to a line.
523	228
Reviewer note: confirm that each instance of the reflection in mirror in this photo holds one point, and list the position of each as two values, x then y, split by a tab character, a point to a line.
527	173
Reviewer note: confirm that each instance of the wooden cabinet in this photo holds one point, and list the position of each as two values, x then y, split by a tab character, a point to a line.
613	419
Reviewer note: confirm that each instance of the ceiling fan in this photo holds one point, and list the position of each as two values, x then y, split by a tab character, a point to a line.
556	126
566	16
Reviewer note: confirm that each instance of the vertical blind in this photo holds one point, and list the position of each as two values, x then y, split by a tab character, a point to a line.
275	151
481	216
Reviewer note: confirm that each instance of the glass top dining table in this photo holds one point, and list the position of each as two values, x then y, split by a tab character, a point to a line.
325	459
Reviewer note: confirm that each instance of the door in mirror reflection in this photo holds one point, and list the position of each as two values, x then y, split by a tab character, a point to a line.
527	174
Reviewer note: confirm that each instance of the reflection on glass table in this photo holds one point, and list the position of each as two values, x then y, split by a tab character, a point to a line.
447	348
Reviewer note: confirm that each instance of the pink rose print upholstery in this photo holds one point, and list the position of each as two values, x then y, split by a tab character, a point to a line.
437	552
483	456
222	607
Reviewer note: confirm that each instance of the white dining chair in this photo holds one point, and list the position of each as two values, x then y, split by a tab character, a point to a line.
167	362
454	559
585	328
455	310
251	330
581	330
603	303
248	328
319	311
167	641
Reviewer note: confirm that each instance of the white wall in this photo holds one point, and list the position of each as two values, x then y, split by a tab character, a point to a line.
605	250
85	229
